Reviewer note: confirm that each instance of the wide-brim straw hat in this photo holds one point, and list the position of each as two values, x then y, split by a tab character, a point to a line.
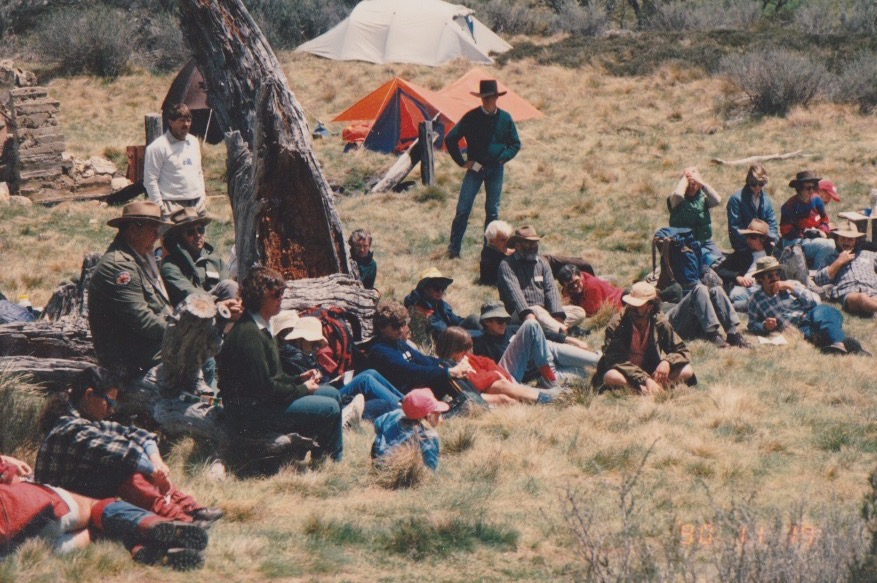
847	229
525	233
139	211
805	176
433	277
757	227
307	328
766	264
187	216
640	294
285	320
488	87
494	310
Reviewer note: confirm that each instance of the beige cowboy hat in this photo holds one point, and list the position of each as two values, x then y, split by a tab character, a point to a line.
283	321
307	328
433	276
640	293
805	176
847	229
188	216
140	210
766	264
757	227
488	87
525	233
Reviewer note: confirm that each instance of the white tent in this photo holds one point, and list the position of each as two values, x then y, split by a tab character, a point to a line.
425	32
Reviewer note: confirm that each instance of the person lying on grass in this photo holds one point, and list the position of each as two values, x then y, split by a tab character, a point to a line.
414	423
851	271
641	350
494	382
86	454
68	521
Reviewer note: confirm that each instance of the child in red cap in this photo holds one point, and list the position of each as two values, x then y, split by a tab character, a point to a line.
415	422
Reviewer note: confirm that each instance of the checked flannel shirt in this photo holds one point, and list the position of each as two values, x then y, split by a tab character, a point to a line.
856	276
788	308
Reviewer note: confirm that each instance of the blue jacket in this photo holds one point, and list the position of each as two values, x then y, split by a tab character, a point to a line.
393	429
741	210
407	368
439	314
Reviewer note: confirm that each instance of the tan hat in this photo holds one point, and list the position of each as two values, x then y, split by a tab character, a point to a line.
188	216
640	293
757	227
494	310
140	210
525	233
284	320
766	264
805	176
433	276
847	229
308	328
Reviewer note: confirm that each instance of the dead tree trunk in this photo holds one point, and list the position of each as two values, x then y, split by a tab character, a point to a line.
399	170
189	341
299	232
152	124
244	206
334	290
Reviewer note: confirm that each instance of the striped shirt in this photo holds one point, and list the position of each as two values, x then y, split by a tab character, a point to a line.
856	276
523	283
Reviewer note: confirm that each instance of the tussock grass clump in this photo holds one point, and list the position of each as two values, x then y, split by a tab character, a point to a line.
460	440
403	468
20	405
431	194
419	537
334	532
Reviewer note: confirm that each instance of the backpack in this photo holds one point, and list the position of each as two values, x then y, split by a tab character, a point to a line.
684	257
341	329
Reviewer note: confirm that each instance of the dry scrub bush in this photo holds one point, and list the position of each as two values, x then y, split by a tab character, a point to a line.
508	18
702	16
288	23
858	83
837	17
776	80
403	468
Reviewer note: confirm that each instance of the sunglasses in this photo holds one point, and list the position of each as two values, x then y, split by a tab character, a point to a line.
111	403
199	230
753	183
771	275
399	326
806	187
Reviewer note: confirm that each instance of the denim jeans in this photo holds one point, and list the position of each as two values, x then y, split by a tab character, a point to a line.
740	295
317	416
529	349
491	177
823	325
120	521
380	395
817	251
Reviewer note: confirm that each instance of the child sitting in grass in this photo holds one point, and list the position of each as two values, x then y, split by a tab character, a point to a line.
415	423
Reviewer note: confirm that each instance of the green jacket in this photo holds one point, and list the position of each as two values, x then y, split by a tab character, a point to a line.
249	370
693	213
184	275
126	312
664	344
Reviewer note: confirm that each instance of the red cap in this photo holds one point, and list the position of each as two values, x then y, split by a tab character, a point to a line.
419	403
827	186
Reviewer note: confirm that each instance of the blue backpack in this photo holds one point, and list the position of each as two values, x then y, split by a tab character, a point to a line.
684	255
10	313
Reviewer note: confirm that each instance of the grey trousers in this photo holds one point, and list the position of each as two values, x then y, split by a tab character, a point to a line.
702	312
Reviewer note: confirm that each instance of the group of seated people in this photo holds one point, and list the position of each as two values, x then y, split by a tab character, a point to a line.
518	349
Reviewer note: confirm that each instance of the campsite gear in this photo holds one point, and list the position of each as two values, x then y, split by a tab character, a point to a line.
525	233
340	330
640	294
188	87
139	210
419	403
827	186
804	176
426	32
847	229
308	328
766	264
433	277
685	257
488	88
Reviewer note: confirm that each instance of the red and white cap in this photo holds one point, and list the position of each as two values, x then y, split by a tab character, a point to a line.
827	186
419	403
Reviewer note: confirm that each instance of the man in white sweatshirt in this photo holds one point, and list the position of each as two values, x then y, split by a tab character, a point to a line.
172	167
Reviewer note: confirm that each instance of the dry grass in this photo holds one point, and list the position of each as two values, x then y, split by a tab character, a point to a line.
777	428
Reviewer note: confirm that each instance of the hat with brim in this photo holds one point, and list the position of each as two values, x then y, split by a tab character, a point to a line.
488	87
766	264
827	186
805	176
283	321
307	328
432	277
494	310
139	211
418	403
847	229
640	294
525	233
186	217
757	227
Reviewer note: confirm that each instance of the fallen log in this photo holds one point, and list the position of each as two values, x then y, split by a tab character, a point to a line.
69	339
333	290
400	169
55	374
754	159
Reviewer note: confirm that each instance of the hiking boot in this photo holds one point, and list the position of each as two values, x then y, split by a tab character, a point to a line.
717	339
175	534
853	346
207	514
177	559
453	254
352	413
736	339
836	350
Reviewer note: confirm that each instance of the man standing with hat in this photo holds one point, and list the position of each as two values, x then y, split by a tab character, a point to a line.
127	300
851	270
804	221
491	141
781	303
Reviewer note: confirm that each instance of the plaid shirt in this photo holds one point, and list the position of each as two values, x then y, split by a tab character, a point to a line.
788	308
525	283
856	276
90	457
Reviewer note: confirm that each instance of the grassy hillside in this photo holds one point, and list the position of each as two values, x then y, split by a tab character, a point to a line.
774	446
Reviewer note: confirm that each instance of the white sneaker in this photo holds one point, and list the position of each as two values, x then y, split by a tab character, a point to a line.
352	413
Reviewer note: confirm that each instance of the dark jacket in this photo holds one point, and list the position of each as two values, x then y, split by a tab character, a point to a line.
184	275
665	344
407	368
490	139
439	315
368	269
734	265
488	267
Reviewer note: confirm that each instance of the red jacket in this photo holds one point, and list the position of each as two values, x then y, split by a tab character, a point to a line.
597	292
486	372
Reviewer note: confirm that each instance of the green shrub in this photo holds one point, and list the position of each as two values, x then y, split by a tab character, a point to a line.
589	20
161	46
504	17
704	16
858	83
288	23
93	40
776	80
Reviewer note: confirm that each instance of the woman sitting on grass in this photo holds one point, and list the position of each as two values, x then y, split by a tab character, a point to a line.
86	454
414	424
494	382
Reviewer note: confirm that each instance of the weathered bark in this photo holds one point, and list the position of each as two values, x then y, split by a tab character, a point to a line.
64	339
152	125
334	290
68	301
189	340
244	206
754	159
399	170
300	234
54	374
427	137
